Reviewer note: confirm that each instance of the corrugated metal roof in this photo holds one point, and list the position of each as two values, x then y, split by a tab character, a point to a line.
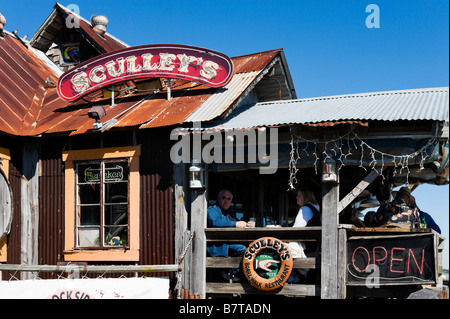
23	88
222	99
248	70
29	106
151	111
416	104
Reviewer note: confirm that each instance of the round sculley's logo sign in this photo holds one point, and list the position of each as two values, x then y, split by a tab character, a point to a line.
267	263
190	63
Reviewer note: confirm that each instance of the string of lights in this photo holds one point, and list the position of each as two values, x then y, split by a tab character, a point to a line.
344	148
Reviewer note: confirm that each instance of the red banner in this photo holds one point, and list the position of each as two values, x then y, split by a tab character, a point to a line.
194	64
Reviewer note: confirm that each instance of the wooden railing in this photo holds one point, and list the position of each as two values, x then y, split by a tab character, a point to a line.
314	261
245	236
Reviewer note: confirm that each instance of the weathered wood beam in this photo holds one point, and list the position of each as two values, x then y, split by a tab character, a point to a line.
330	222
239	288
358	189
198	261
29	205
234	262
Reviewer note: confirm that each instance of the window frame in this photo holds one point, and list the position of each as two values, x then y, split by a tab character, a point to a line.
102	203
128	252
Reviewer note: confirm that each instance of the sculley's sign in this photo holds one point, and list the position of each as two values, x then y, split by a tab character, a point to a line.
190	63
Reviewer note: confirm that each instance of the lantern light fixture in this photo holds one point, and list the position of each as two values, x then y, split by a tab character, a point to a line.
196	176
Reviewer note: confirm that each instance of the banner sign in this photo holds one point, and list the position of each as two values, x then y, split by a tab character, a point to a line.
387	260
110	288
190	63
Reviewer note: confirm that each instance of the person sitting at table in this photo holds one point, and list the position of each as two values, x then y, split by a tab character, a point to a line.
309	212
222	215
308	215
399	212
426	221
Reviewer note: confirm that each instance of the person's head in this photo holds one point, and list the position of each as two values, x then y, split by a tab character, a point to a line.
225	198
304	196
369	218
404	194
412	202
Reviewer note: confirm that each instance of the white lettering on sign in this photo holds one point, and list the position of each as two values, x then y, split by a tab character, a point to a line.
112	67
167	62
194	64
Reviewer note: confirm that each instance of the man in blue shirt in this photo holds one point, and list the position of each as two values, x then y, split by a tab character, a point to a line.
222	215
426	221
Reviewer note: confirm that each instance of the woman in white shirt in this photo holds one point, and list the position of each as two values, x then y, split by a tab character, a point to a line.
308	215
309	212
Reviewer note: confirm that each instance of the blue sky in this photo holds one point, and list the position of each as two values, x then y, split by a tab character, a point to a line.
329	48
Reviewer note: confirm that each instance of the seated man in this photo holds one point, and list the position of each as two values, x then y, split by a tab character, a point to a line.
222	215
398	212
426	221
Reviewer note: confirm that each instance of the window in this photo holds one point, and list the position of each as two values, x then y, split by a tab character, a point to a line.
102	204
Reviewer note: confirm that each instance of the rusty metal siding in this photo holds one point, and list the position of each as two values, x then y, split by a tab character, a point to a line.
157	198
51	203
15	178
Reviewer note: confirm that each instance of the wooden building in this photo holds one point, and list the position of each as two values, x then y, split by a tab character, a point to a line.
112	194
45	139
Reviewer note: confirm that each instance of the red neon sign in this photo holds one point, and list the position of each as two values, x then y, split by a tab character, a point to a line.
194	64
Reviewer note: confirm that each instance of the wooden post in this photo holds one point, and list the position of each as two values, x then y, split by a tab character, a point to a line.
342	263
182	233
198	261
29	204
329	267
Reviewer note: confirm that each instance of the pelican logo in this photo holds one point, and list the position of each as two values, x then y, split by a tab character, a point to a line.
267	263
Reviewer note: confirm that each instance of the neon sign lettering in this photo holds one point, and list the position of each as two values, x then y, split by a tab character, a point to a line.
392	259
194	64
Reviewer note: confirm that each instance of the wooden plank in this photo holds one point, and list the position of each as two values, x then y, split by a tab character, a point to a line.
29	205
342	264
240	288
198	259
282	233
234	262
329	262
358	189
69	268
182	234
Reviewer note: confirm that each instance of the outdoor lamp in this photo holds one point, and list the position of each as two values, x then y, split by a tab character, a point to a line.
195	175
96	113
329	171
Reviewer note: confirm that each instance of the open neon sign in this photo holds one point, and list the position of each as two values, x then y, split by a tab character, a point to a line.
194	64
